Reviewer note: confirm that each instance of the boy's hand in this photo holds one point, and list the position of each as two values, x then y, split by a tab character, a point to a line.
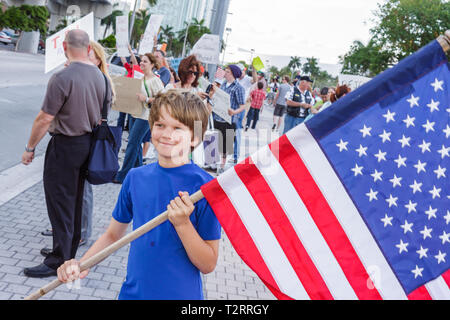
180	209
70	271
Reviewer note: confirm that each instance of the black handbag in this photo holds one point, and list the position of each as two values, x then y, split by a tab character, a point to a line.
103	162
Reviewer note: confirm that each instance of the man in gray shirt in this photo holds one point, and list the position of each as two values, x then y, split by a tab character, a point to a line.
280	103
70	111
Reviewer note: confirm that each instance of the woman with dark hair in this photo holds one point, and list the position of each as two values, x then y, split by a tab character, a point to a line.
189	71
339	93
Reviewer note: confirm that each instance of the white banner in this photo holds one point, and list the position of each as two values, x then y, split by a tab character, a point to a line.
122	36
54	51
207	49
352	81
147	42
220	99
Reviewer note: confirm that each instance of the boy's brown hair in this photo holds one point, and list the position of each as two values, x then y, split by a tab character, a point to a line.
183	106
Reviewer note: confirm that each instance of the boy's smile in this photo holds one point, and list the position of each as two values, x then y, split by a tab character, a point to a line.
172	140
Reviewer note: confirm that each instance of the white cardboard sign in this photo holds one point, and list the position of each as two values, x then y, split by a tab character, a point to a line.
54	51
353	81
207	49
122	36
147	43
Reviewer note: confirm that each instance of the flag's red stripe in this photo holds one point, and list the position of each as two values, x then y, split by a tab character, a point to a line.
238	235
420	293
446	277
324	218
282	229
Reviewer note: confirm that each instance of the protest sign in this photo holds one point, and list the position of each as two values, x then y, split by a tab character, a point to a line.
175	63
151	31
54	51
353	81
126	95
220	99
122	36
207	49
258	64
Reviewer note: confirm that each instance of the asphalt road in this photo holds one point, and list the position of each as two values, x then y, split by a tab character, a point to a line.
22	89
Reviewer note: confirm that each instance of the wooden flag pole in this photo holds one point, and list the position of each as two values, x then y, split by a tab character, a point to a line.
102	255
444	41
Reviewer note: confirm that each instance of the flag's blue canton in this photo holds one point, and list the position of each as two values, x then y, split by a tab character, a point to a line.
395	163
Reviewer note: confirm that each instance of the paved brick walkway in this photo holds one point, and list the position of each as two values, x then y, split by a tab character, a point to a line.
24	217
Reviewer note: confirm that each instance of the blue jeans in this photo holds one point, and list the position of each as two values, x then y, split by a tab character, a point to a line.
253	114
237	144
86	213
291	122
121	120
133	155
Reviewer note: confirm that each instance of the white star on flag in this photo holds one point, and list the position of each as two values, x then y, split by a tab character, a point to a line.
417	272
411	206
445	237
440	172
381	156
440	257
404	141
361	151
372	195
387	220
435	192
422	252
342	145
433	105
406	227
431	213
385	136
377	175
437	85
444	151
409	121
392	201
425	146
366	131
402	246
357	170
416	187
389	116
396	181
447	131
426	232
429	126
447	217
413	101
400	161
420	166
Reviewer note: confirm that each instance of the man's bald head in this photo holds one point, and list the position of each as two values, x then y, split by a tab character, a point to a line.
77	39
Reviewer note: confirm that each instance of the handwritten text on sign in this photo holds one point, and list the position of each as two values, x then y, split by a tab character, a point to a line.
207	49
54	51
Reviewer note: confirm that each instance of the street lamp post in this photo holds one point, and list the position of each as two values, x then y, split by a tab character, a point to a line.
185	39
228	30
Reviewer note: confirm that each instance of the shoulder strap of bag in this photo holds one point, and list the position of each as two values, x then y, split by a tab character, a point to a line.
105	103
146	88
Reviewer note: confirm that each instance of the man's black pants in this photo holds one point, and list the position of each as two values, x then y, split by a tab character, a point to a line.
64	176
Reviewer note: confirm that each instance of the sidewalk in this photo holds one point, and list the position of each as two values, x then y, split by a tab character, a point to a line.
23	217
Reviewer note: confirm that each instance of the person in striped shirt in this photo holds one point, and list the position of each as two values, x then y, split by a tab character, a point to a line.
256	99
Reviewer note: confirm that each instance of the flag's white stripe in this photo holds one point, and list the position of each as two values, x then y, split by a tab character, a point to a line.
334	192
262	235
438	289
303	224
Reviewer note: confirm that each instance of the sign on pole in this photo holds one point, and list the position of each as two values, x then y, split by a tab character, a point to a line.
54	51
151	31
207	49
122	36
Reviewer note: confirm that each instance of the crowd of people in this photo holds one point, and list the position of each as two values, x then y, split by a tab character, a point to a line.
171	104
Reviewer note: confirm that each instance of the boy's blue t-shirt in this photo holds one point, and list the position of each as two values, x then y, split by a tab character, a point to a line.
158	265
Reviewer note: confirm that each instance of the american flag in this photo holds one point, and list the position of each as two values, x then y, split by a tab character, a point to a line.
354	203
220	73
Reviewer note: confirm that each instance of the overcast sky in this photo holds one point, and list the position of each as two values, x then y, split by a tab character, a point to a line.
323	29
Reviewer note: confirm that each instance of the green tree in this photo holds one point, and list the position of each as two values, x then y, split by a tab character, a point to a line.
401	28
25	18
195	30
110	21
311	67
167	36
294	64
140	23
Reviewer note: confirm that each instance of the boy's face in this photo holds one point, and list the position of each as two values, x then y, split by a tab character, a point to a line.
172	139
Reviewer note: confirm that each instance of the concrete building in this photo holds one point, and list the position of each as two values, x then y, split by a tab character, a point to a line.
177	12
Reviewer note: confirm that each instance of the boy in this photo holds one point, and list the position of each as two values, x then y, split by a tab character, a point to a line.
166	262
257	99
